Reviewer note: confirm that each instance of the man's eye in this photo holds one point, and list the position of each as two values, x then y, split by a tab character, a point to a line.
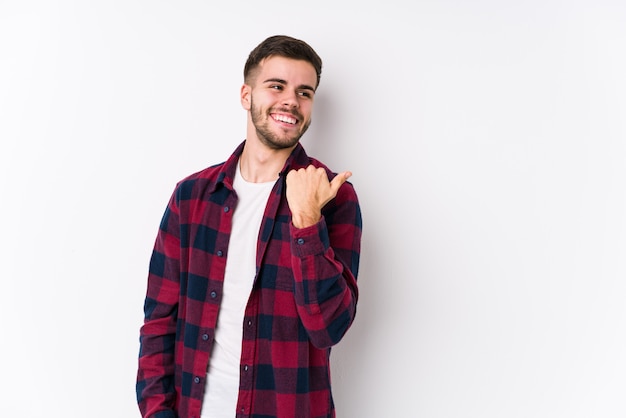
276	87
305	94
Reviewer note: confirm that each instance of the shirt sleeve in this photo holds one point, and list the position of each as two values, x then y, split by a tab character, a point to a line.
156	394
325	261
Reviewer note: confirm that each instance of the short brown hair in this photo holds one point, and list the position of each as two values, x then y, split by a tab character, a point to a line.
284	46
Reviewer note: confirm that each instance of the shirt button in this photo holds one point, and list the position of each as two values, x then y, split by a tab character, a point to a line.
214	294
205	337
249	323
220	253
196	379
245	368
226	208
300	241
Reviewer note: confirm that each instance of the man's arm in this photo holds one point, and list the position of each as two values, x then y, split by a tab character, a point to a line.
156	394
325	252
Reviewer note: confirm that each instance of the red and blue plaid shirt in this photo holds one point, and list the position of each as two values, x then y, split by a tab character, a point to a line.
303	299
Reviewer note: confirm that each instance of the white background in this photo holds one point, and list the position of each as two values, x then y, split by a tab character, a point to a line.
488	144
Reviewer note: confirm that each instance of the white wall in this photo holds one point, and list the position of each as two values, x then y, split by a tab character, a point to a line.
487	141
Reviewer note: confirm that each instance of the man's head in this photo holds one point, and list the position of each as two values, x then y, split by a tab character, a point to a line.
281	76
284	46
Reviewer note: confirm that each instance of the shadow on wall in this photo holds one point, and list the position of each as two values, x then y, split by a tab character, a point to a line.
361	346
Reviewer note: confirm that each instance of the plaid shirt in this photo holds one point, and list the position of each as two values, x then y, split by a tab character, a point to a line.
303	299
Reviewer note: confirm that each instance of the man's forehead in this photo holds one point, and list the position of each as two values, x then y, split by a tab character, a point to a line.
282	67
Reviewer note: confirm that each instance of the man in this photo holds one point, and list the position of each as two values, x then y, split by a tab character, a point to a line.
253	274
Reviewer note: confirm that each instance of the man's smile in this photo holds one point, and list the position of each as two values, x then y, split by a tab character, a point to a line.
280	117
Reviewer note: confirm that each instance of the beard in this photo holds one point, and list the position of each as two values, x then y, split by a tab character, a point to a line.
272	139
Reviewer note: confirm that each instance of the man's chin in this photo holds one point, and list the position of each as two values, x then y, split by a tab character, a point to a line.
281	143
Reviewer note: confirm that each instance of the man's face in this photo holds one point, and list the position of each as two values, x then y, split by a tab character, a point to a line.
280	100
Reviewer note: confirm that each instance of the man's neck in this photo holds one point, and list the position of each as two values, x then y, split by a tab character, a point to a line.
260	164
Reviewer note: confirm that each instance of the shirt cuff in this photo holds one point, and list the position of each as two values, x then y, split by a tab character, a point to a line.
311	240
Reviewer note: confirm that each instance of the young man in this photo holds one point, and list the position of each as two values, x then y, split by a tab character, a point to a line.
253	274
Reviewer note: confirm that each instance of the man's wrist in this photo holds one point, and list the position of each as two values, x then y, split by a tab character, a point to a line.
304	220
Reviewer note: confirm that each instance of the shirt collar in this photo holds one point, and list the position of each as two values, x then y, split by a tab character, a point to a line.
297	159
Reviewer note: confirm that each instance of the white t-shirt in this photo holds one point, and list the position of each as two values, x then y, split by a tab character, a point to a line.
222	387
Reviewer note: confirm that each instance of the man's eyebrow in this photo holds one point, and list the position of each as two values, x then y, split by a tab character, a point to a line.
281	81
275	80
306	87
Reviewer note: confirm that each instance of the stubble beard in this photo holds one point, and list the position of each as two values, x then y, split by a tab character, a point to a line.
265	134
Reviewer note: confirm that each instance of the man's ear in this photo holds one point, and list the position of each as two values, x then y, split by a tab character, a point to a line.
245	97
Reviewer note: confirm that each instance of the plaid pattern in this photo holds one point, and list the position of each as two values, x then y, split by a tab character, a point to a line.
303	299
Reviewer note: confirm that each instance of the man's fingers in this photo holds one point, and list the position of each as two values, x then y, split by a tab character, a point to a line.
338	180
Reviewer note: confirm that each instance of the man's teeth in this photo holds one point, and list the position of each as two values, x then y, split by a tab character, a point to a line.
284	118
